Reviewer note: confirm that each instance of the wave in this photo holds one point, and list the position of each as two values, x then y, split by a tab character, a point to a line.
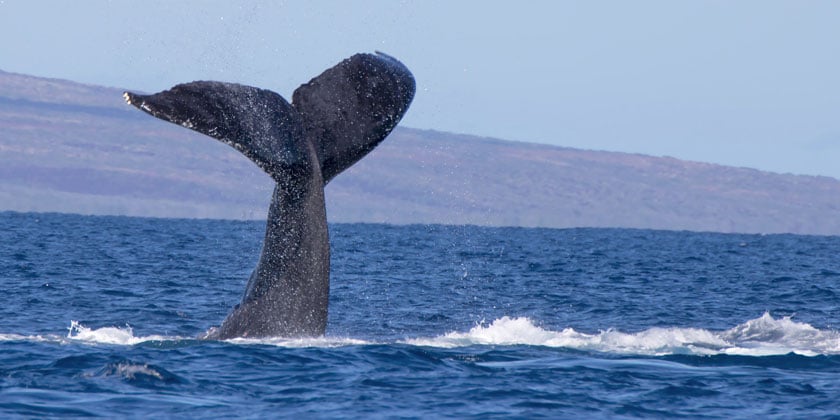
763	336
302	342
78	333
124	336
111	335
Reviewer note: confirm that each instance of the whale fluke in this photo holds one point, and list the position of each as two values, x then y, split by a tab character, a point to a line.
333	121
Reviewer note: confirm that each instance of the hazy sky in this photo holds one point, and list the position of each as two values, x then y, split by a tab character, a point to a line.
744	83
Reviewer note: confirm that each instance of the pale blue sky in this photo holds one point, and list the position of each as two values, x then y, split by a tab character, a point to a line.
744	83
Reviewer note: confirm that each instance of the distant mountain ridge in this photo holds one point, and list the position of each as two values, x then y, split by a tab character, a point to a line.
70	147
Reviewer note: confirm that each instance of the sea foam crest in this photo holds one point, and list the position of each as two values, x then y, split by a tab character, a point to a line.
18	337
110	335
758	337
762	336
125	336
301	342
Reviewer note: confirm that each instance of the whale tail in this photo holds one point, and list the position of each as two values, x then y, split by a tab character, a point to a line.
343	114
333	121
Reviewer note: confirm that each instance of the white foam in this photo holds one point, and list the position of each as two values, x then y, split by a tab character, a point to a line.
758	337
78	333
762	336
767	335
325	342
110	335
18	337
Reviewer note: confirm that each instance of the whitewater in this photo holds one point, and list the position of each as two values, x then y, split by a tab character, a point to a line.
764	336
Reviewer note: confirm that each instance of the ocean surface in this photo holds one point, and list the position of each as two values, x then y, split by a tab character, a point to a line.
99	318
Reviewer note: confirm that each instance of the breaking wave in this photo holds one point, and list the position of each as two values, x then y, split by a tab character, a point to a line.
763	336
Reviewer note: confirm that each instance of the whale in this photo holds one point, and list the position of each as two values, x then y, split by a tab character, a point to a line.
332	122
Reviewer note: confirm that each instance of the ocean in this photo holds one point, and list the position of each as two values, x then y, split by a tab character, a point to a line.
100	317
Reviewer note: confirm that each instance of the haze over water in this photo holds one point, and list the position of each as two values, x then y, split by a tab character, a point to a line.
748	84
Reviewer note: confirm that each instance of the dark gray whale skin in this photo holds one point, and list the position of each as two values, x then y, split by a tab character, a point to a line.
333	121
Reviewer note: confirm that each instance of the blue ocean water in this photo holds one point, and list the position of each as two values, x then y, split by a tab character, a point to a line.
100	313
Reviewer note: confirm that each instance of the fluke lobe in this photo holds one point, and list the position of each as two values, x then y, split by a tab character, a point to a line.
332	122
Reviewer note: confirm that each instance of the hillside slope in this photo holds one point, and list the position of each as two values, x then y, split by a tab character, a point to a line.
76	148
